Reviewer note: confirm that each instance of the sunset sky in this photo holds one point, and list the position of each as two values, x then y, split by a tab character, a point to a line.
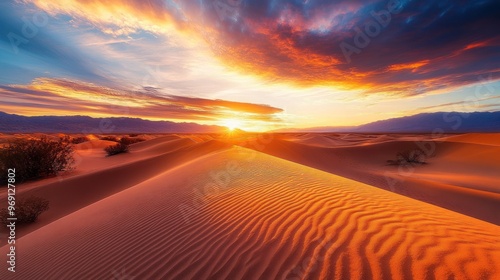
258	65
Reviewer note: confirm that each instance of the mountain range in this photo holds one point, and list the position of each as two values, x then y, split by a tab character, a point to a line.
441	122
10	123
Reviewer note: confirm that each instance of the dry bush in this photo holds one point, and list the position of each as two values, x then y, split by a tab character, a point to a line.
409	157
26	210
109	138
119	148
130	141
35	158
78	140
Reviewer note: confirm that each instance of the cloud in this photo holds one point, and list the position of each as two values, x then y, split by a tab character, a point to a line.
63	97
117	17
468	104
28	45
434	49
434	44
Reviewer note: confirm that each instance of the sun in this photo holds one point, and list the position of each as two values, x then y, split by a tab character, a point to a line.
232	124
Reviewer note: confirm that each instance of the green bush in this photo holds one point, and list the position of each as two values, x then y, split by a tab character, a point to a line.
35	158
26	210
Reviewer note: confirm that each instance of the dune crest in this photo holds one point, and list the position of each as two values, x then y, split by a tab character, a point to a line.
459	176
267	219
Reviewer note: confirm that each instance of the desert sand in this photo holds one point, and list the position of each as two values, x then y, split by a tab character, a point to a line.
461	174
290	207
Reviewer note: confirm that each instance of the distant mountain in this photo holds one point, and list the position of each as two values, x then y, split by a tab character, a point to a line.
10	123
445	122
316	129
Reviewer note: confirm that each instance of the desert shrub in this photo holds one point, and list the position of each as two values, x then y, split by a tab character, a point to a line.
119	148
409	157
35	158
78	140
109	138
130	141
26	210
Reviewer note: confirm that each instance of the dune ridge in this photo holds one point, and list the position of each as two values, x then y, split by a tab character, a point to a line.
72	193
462	177
476	138
273	220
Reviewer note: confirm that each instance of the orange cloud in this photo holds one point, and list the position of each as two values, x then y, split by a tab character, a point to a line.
477	45
69	97
409	66
299	43
114	16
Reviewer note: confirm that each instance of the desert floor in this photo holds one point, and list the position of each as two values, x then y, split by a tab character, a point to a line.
270	206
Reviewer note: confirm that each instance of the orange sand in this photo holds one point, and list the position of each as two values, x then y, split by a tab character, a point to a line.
180	209
461	176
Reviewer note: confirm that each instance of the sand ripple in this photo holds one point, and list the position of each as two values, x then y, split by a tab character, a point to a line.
274	220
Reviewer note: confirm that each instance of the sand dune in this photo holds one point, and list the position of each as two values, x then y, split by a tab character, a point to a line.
329	140
108	176
190	207
476	138
155	141
94	144
161	145
460	176
319	140
269	219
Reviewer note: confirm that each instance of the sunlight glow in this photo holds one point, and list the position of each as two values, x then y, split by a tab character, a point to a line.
232	124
